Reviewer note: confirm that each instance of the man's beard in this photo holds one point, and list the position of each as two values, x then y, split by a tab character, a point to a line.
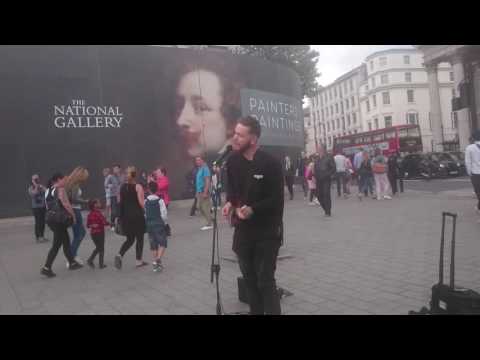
244	148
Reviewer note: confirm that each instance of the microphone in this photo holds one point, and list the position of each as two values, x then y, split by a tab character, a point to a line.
222	157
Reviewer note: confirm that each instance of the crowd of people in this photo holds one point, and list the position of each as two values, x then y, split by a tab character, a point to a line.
133	208
375	175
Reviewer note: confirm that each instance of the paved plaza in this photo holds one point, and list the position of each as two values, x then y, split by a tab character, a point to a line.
371	257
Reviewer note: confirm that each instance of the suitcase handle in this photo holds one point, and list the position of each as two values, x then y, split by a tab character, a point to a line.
442	246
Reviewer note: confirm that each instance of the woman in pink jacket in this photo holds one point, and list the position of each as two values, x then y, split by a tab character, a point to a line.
163	184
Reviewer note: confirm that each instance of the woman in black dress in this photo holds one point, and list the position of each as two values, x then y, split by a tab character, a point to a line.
132	218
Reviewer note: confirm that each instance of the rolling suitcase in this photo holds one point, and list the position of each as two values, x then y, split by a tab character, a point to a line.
448	299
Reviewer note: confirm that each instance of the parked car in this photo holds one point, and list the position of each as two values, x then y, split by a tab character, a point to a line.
428	166
459	157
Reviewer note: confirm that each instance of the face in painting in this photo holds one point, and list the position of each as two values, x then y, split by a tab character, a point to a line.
199	117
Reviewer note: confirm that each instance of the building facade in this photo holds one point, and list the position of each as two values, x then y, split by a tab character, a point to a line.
310	132
465	62
395	91
390	88
335	109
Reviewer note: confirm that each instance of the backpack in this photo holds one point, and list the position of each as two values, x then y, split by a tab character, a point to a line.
56	214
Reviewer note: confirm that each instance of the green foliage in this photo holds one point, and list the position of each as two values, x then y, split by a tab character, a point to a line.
301	58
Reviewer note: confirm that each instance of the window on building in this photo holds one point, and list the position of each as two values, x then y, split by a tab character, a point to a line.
345	87
331	110
454	120
335	91
369	126
374	100
351	84
354	118
347	103
328	126
383	61
366	88
353	101
323	117
338	124
371	65
368	105
375	121
373	82
412	118
386	98
314	117
343	123
408	77
336	108
451	76
388	121
340	91
410	97
406	59
341	106
348	120
384	79
453	92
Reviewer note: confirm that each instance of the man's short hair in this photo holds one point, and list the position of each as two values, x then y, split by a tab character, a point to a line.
253	125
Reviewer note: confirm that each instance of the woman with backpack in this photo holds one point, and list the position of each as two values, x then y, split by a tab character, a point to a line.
60	216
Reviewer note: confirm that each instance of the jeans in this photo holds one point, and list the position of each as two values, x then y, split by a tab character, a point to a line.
78	231
114	211
128	244
60	238
323	194
257	253
341	182
99	241
205	207
365	185
39	214
289	181
475	178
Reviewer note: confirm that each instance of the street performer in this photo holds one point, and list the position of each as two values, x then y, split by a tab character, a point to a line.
255	200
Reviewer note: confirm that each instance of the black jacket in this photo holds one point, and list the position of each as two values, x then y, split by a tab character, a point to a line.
263	188
324	168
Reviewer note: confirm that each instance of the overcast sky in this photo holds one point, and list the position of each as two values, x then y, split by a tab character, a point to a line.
336	60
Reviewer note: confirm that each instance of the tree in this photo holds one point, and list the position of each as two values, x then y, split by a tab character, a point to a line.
300	58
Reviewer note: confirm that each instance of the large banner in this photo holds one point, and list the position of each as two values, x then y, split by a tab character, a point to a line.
147	106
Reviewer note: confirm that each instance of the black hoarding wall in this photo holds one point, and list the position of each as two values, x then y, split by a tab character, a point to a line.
64	106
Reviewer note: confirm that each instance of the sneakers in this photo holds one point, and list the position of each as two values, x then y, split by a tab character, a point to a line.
75	266
47	272
78	260
91	264
311	203
316	202
387	197
103	266
207	227
157	266
41	239
118	262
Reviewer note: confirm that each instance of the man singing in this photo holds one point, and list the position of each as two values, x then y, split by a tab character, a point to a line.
255	203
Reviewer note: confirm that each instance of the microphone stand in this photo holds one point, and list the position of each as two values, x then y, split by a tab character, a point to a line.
215	266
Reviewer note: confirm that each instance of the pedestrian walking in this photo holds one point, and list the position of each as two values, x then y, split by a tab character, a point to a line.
74	193
37	194
132	219
163	184
191	183
472	164
203	183
216	185
365	176
57	201
113	183
311	183
96	222
393	172
108	200
341	174
302	164
289	174
324	169
156	220
380	169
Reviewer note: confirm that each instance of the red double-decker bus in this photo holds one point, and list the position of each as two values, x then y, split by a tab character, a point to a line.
402	138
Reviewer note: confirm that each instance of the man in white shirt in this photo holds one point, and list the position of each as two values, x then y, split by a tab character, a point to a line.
357	160
341	176
472	163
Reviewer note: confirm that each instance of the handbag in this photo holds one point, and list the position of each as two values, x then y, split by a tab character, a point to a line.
379	168
118	228
57	215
